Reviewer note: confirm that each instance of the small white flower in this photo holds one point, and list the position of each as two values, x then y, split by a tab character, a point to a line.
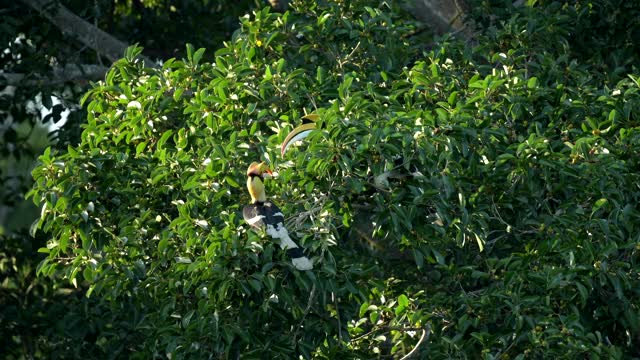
134	104
203	224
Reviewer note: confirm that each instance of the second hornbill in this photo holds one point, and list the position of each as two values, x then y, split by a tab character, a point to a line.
362	226
265	215
301	132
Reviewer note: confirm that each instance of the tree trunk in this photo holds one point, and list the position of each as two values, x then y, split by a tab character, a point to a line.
444	16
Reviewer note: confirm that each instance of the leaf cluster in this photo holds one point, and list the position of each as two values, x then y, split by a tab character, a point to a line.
458	202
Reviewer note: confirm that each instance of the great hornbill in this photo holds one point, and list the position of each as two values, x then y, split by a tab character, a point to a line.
265	215
301	132
362	227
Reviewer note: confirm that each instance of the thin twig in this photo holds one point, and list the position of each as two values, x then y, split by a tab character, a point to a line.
386	330
298	219
495	210
353	51
312	295
312	100
335	302
348	57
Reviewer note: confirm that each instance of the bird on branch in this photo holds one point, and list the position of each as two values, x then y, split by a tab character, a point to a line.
266	216
362	227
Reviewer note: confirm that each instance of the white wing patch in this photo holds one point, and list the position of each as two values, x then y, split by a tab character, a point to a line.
255	219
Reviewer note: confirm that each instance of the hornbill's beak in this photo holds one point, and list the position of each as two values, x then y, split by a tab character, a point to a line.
300	132
258	169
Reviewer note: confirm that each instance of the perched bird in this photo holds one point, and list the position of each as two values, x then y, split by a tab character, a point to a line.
362	227
265	215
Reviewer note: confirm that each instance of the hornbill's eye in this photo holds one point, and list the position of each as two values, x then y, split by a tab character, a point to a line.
258	169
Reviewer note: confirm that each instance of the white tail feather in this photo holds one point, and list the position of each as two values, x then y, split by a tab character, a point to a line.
281	233
302	263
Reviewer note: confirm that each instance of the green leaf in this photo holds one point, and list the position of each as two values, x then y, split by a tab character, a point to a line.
162	245
419	258
183	260
363	309
86	241
87	274
403	300
231	181
584	293
132	52
320	74
598	204
479	241
374	316
267	73
165	136
140	148
189	52
439	257
197	56
186	319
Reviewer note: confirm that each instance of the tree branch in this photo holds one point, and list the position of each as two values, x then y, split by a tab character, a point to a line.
444	16
74	26
59	75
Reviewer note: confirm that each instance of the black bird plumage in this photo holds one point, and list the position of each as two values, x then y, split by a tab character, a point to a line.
266	216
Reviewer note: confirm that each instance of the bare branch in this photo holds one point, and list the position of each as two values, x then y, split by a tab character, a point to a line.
74	26
59	75
310	302
444	16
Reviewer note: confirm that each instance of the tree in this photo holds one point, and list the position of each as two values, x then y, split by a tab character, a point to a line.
47	64
511	211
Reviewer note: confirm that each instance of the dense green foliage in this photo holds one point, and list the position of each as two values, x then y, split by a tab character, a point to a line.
501	183
48	317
